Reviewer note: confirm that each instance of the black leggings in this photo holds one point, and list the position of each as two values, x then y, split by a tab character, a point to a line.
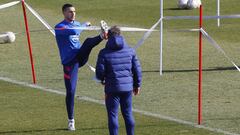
86	49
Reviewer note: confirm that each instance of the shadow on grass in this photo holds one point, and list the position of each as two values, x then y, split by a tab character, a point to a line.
33	131
175	9
49	130
93	128
191	70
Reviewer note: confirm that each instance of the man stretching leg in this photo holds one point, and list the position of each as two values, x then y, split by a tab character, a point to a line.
73	54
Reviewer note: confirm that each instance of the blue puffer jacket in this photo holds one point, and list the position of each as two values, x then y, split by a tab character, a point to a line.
118	66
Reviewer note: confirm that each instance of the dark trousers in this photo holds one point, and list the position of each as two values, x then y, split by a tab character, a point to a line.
113	100
71	71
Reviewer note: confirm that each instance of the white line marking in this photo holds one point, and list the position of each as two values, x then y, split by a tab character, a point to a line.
216	130
9	4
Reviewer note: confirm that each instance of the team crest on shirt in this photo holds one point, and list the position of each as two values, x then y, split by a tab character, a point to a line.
75	41
74	38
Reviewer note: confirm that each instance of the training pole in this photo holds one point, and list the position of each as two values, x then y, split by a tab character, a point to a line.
200	70
218	12
29	42
161	38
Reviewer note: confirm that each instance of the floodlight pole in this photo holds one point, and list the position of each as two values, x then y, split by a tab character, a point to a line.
200	69
218	13
161	38
29	42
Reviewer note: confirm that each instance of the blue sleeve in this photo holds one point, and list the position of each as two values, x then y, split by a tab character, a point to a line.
137	71
60	30
100	67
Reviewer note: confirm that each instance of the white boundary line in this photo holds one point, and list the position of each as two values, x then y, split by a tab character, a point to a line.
84	98
9	4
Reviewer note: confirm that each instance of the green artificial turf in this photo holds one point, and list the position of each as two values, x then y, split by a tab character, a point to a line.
173	94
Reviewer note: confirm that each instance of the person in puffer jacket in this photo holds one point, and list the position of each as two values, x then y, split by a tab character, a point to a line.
119	70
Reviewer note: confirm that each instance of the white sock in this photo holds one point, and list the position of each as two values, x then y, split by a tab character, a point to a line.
71	120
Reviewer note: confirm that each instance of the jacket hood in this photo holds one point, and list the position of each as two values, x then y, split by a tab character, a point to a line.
115	43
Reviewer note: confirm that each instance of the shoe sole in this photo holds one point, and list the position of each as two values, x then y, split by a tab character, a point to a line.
104	26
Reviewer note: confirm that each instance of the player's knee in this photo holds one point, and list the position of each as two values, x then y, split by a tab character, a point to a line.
113	124
70	93
129	120
130	123
113	121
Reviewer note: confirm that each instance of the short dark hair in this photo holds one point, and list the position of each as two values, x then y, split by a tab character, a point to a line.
114	31
65	6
